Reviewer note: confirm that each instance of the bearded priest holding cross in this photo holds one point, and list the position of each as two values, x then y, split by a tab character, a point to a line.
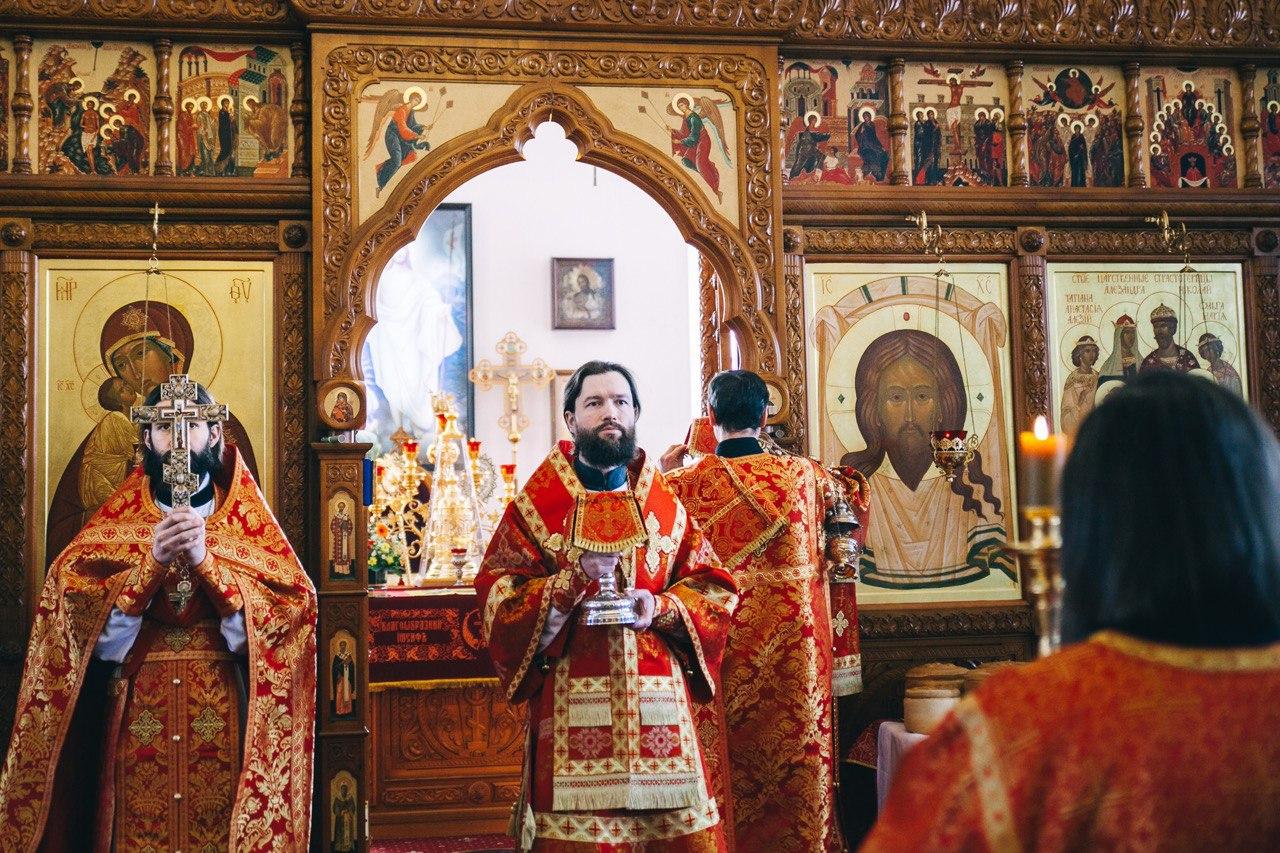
168	699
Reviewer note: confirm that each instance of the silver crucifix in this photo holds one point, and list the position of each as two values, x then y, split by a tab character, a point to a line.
178	408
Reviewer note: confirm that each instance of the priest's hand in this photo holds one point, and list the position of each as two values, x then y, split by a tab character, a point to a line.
674	457
645	605
179	532
596	566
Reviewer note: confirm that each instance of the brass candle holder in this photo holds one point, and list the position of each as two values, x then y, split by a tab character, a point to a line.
1040	567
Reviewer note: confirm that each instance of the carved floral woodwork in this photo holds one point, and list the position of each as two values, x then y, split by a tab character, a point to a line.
442	757
1180	24
167	11
350	257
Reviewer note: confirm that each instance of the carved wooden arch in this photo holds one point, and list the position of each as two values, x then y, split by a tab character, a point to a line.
499	143
556	77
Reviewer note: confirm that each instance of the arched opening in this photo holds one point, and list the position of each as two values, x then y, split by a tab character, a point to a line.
580	263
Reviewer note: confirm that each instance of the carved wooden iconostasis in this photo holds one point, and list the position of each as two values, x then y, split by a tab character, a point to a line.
1039	138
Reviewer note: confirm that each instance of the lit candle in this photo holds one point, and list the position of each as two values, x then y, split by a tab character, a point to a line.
508	472
473	448
411	449
1042	455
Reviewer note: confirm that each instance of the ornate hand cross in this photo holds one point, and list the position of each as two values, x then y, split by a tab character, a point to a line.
486	375
178	408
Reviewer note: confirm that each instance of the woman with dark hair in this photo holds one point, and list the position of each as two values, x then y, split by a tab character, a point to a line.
1156	728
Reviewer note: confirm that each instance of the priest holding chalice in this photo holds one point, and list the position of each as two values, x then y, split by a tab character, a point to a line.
606	610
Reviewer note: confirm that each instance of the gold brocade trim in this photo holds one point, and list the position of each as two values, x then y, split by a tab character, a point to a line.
579	536
993	794
537	527
747	578
754	505
626	829
846	675
691	628
431	684
1207	660
498	593
563	467
544	610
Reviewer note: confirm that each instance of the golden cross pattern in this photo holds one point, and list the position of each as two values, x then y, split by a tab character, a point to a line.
513	373
178	409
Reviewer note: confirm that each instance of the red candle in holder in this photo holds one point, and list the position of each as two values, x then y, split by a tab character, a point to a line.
441	420
473	447
508	471
951	433
411	448
1042	456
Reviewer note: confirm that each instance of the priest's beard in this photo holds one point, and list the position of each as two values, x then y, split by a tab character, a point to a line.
910	454
207	461
605	453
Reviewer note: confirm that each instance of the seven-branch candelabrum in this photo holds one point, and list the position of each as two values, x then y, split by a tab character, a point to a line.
398	482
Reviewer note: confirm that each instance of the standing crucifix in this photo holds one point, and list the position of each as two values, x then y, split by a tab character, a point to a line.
486	375
178	409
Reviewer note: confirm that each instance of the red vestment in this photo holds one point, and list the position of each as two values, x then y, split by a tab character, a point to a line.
171	748
615	757
763	515
1112	744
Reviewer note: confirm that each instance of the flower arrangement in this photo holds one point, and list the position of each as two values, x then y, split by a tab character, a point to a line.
384	556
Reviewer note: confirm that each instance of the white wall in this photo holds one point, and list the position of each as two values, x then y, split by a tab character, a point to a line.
549	206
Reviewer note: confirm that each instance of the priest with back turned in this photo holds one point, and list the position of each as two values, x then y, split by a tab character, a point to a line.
613	758
168	698
794	642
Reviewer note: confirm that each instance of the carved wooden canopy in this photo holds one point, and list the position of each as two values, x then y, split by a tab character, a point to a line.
1246	27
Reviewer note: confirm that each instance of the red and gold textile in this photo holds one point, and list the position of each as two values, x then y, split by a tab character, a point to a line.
701	438
615	756
763	514
176	746
426	635
607	523
1112	744
272	794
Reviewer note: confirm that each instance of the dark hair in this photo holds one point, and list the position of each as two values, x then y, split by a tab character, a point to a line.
738	399
936	357
594	368
1171	517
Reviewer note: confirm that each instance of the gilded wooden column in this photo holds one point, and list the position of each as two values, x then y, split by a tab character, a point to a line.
1135	126
341	741
901	167
298	113
710	319
18	585
791	433
1018	172
1265	382
1029	314
1249	127
21	106
162	108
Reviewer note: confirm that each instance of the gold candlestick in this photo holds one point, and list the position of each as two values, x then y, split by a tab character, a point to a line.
1038	562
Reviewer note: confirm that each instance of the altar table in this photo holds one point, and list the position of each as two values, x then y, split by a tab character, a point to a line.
446	746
